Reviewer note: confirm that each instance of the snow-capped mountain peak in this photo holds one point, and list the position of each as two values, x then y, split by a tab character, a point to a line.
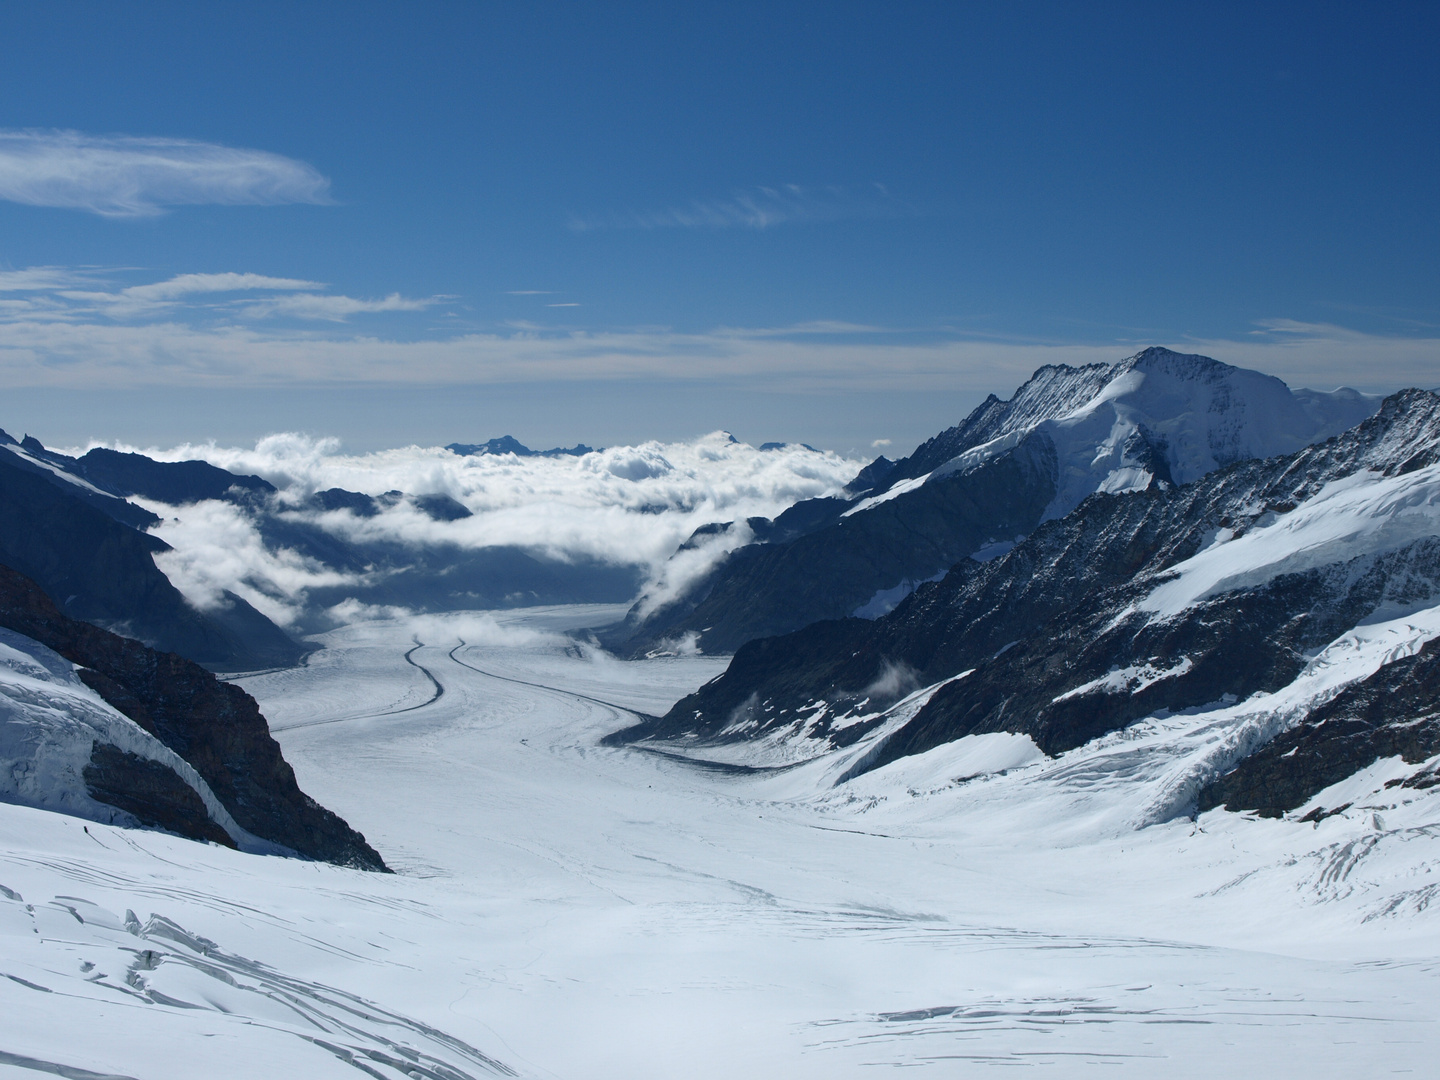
1156	417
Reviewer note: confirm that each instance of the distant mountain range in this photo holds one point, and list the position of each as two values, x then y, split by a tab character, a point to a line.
508	444
68	524
1153	421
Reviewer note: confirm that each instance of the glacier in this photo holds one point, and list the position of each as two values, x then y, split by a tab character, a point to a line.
568	909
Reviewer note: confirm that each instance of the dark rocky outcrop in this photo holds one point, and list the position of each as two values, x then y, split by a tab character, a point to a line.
442	508
151	793
213	725
872	479
1394	713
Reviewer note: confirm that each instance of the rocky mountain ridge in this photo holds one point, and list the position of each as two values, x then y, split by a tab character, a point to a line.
1224	593
1155	419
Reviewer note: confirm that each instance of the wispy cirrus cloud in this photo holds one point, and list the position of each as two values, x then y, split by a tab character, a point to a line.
331	308
126	176
55	294
755	208
186	284
40	279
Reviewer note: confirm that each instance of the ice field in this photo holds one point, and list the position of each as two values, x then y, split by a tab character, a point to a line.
566	910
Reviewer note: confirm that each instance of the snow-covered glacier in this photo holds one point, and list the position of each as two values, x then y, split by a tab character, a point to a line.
566	909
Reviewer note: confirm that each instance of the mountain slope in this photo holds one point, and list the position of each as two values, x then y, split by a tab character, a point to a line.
1156	419
33	458
101	570
1264	578
194	756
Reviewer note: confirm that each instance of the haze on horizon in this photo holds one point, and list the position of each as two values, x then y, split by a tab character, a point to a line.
837	224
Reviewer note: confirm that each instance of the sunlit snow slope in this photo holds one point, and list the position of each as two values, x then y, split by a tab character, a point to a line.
564	909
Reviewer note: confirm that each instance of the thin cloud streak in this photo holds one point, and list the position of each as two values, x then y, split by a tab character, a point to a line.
185	284
756	208
44	298
186	331
39	279
125	176
331	308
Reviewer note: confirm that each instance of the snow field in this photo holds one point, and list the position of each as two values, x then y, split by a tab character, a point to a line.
568	910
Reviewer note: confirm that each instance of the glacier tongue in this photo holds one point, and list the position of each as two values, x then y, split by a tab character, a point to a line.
572	910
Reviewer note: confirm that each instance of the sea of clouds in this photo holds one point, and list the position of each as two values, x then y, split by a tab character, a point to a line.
627	506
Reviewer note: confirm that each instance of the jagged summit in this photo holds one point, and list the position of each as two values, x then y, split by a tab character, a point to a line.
1156	416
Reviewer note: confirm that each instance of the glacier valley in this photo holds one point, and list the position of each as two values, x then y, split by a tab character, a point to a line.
561	908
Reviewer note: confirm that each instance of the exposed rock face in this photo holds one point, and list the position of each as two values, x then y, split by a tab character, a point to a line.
151	793
1394	713
1064	639
213	725
1157	419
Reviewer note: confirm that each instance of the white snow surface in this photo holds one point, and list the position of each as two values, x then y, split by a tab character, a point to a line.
38	462
1207	414
1365	513
563	909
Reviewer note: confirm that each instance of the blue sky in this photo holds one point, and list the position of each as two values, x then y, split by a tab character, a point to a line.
840	223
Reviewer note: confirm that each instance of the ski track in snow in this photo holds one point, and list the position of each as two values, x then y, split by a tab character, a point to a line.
568	910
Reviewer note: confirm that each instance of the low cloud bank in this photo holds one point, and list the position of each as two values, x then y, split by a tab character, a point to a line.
627	506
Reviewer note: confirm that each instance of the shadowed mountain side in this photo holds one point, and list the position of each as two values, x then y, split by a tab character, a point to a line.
102	571
215	726
24	459
774	588
172	482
